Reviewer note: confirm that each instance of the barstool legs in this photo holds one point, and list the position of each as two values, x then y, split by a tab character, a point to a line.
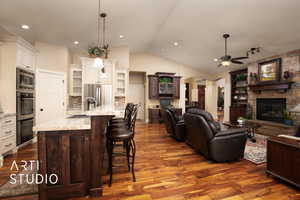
127	146
132	147
130	153
110	157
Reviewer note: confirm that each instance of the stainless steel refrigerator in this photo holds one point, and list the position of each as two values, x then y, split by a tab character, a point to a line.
96	95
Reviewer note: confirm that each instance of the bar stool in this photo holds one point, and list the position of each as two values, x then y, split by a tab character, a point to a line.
124	134
128	109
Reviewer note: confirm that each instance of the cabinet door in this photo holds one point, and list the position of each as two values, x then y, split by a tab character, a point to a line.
176	87
76	82
66	154
153	87
25	58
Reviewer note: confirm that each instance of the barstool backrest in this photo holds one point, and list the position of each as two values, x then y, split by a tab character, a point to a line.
133	116
128	111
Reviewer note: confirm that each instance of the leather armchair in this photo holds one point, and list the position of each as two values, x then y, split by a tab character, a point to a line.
174	124
205	136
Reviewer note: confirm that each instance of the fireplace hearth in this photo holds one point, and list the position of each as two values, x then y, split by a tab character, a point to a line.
270	109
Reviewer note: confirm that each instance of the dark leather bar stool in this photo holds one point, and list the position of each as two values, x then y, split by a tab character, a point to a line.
128	109
122	135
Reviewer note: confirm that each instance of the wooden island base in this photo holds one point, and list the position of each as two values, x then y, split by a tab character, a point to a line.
76	157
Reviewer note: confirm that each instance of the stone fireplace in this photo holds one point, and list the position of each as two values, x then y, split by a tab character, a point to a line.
270	109
270	103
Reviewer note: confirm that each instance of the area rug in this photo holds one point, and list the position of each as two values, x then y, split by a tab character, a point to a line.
256	152
20	187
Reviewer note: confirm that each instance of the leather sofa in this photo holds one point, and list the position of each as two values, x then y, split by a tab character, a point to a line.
205	136
174	124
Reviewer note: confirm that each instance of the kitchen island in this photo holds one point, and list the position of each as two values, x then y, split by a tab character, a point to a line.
73	149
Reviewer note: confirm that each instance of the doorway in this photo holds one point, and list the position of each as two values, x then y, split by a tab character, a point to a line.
220	100
136	92
201	96
50	95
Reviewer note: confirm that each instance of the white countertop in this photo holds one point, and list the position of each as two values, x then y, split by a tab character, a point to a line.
71	122
64	124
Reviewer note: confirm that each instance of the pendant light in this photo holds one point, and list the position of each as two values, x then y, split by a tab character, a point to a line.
101	51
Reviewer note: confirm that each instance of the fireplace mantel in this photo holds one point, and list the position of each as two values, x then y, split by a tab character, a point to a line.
283	86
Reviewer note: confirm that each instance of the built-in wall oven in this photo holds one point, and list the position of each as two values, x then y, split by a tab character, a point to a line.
24	130
25	79
25	105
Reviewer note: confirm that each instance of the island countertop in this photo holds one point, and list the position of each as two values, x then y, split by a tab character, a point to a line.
65	124
76	121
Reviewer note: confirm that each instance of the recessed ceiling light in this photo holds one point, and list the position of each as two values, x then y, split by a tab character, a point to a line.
175	43
24	26
216	59
121	36
76	42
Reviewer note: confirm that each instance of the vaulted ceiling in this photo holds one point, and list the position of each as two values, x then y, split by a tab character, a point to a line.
153	26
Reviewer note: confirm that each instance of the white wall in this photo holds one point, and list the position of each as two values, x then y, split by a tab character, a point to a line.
227	94
121	56
150	64
211	94
52	57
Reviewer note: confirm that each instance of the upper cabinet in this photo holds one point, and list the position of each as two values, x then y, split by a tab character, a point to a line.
176	87
153	87
75	81
25	57
120	88
164	85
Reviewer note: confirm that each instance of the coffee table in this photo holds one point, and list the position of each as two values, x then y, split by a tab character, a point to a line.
250	126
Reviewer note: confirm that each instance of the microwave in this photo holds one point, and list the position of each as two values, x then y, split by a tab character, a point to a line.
25	79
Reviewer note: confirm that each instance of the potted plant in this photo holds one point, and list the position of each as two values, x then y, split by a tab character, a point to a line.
96	51
241	120
287	118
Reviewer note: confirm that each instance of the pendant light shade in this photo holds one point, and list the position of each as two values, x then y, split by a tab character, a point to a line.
99	63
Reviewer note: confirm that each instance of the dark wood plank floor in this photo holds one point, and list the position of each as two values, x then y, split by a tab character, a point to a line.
166	169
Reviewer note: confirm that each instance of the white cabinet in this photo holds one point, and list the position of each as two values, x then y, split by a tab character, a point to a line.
120	83
75	81
91	75
7	134
25	57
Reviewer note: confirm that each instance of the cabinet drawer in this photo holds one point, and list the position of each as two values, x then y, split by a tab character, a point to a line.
8	122
8	144
7	132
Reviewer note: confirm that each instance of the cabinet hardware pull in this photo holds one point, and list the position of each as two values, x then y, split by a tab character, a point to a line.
8	145
7	121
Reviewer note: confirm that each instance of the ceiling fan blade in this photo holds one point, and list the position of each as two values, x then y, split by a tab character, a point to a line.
237	62
240	58
220	65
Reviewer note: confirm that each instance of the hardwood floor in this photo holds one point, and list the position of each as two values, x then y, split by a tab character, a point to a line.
166	169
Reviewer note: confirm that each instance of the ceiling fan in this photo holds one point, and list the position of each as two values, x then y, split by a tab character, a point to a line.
226	60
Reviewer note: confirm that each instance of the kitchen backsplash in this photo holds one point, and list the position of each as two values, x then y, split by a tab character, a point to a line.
75	102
